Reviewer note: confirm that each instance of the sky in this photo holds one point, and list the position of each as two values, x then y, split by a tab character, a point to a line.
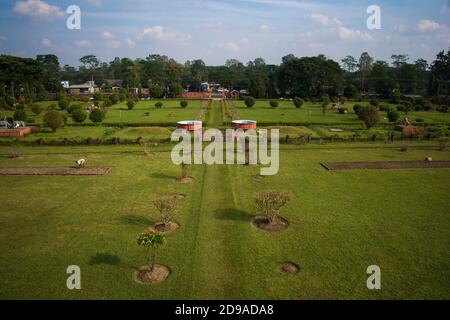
216	30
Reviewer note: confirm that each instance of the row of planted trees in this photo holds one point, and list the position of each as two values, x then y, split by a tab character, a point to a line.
269	204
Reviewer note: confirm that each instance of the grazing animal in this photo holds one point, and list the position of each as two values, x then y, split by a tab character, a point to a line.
81	163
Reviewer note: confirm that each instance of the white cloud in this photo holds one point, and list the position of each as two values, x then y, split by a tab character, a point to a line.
325	20
353	34
263	28
231	46
113	44
428	25
401	28
107	35
131	44
82	43
160	33
287	3
46	42
38	9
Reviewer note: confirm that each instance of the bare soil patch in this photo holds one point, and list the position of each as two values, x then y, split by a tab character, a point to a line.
54	171
146	276
386	165
265	224
186	180
289	267
164	228
259	177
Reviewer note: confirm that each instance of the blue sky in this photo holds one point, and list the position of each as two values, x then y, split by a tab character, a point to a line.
216	30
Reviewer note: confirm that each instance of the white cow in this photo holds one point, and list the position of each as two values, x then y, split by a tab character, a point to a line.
81	163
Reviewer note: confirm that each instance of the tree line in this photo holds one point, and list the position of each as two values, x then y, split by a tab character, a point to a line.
303	77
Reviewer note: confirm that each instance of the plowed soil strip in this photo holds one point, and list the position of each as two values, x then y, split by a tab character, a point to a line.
386	165
54	171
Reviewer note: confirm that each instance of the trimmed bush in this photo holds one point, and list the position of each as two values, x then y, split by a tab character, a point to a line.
393	116
274	103
158	105
184	104
130	104
63	104
357	108
97	115
298	103
53	119
249	101
79	115
36	108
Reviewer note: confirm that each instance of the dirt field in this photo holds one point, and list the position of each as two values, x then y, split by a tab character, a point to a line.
386	165
54	171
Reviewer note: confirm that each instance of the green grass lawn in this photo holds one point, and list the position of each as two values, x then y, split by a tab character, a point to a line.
311	113
171	112
340	223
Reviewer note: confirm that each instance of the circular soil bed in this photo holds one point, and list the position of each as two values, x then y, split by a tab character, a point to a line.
186	180
145	276
178	196
264	223
289	268
164	228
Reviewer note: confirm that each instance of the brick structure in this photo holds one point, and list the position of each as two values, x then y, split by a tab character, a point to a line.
15	132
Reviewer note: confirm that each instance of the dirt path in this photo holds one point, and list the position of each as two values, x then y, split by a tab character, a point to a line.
54	171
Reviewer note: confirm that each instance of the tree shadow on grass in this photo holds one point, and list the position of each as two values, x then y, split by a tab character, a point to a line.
104	258
136	220
233	214
162	176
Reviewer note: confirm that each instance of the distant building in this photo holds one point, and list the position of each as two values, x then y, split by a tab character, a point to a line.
112	84
65	84
87	88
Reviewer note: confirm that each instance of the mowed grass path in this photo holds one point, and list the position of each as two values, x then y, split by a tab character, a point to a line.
341	222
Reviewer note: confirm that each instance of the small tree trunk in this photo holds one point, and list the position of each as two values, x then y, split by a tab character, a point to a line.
152	259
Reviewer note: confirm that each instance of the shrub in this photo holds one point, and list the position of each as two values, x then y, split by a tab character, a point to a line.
184	104
343	110
63	104
53	119
393	116
342	100
108	103
370	116
36	108
97	116
74	107
419	120
98	96
298	102
79	115
270	203
20	115
249	101
158	105
351	92
405	107
443	109
385	108
374	102
357	108
274	103
114	98
130	104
